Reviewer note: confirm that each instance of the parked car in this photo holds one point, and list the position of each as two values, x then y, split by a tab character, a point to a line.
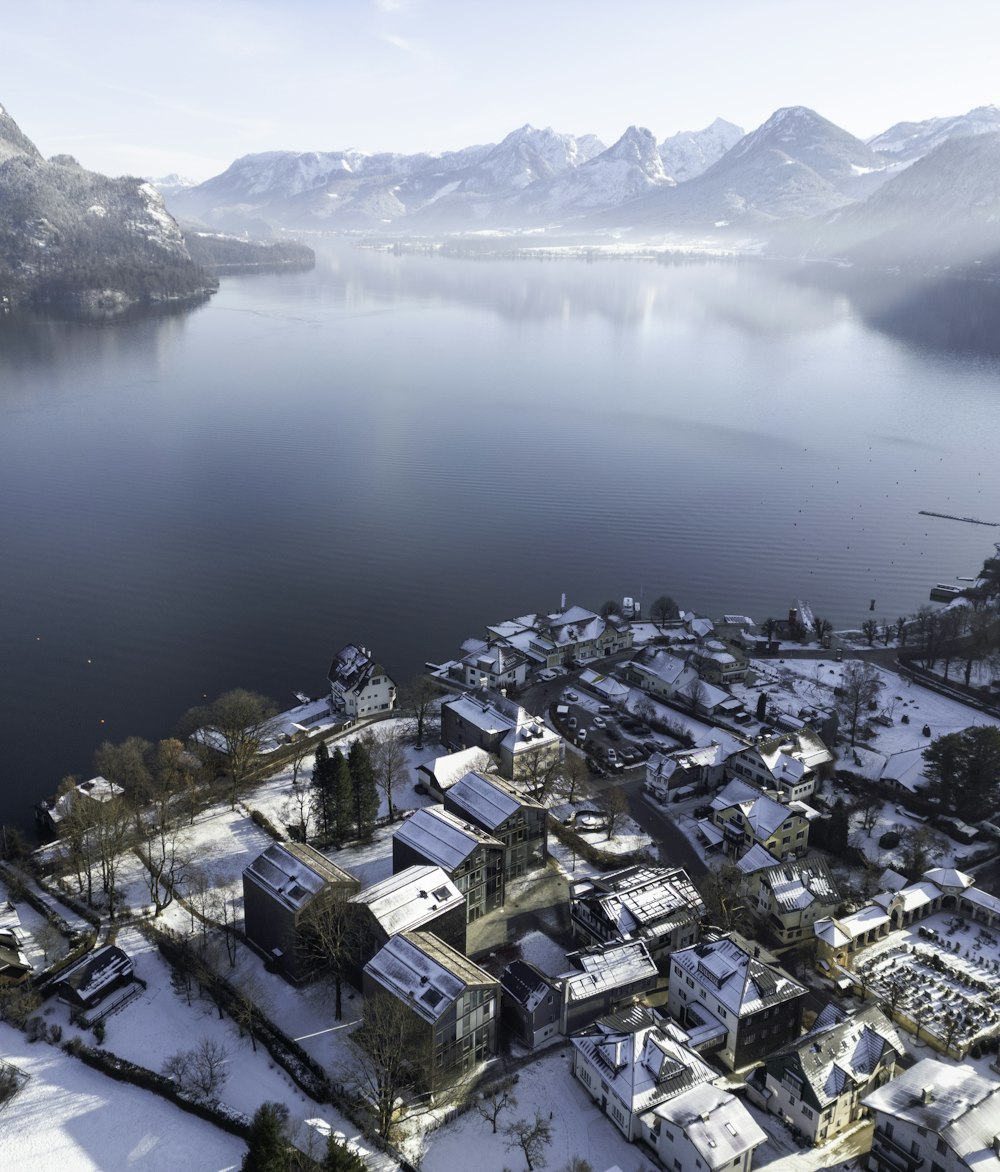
568	695
613	733
611	755
600	722
571	723
630	755
547	674
581	736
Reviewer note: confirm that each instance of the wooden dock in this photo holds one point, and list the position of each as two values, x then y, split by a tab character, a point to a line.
967	520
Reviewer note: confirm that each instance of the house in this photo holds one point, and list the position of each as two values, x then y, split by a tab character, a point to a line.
418	898
491	665
99	983
692	770
816	1082
358	685
719	663
530	1004
524	747
791	896
87	795
504	812
742	815
708	1128
14	964
454	1003
631	1062
733	999
789	763
662	675
609	979
658	906
472	859
573	633
936	1117
282	888
605	980
441	773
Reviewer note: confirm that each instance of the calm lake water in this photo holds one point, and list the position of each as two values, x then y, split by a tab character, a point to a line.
396	450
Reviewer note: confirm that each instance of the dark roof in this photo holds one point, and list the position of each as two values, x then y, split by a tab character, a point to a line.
523	982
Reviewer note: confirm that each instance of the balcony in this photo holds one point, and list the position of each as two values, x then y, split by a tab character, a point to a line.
894	1154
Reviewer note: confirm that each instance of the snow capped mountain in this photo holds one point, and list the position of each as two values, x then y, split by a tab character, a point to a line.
687	154
630	168
528	155
943	209
911	140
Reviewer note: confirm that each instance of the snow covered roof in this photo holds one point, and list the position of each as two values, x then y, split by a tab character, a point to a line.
294	873
488	800
609	968
445	771
832	1056
715	1123
525	984
672	670
610	689
442	838
762	814
948	877
956	1103
798	883
641	1057
742	982
98	971
352	668
915	895
425	973
756	859
410	898
641	902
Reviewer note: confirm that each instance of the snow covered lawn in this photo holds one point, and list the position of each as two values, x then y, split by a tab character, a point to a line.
70	1117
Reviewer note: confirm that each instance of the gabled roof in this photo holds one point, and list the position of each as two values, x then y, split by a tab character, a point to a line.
831	1058
525	984
763	814
411	898
715	1123
487	799
97	971
445	771
425	973
799	883
294	873
642	1056
954	1102
743	982
756	859
352	668
443	839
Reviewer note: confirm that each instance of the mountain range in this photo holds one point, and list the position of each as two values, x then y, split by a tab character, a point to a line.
796	182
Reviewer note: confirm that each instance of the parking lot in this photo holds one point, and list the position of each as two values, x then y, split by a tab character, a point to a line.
615	741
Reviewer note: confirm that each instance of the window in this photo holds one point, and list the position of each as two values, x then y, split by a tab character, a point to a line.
942	1147
806	1112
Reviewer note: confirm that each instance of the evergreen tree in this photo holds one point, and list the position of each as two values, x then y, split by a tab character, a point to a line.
343	795
324	798
339	1158
267	1144
364	788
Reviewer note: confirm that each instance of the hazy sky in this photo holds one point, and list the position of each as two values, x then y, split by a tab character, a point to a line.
153	86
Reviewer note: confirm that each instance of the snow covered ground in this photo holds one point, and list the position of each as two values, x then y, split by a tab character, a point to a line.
69	1117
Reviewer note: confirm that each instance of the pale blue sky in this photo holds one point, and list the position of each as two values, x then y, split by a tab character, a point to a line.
153	86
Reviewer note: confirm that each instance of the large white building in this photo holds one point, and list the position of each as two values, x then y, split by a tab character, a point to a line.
358	685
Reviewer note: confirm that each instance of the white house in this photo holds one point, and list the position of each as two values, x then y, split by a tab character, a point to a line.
358	685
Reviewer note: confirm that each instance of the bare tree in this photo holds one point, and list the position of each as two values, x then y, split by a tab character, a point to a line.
127	765
573	773
234	727
386	1064
253	1001
166	858
532	1137
538	770
663	610
297	811
822	627
327	940
418	698
859	689
113	832
202	1071
615	805
870	807
920	849
388	758
489	1106
869	628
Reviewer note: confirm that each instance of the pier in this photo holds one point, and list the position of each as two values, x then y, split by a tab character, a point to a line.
967	520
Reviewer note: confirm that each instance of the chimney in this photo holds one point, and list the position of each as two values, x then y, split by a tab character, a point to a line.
562	604
927	1095
793	616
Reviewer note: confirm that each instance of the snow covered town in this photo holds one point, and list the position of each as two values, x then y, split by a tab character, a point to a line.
604	891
